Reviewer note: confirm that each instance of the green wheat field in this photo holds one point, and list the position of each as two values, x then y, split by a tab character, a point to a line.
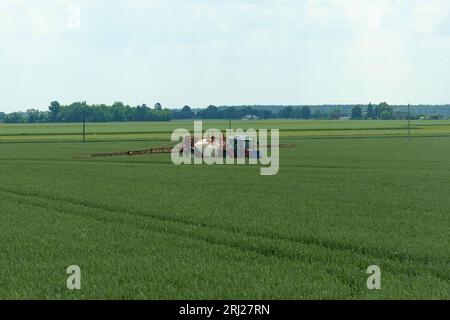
350	194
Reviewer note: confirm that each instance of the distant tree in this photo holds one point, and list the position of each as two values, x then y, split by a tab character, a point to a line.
265	114
55	111
75	112
384	111
287	113
118	112
160	115
32	115
387	115
357	113
96	113
43	117
231	113
317	114
142	113
335	113
211	112
186	109
379	109
246	112
15	117
370	114
187	113
306	112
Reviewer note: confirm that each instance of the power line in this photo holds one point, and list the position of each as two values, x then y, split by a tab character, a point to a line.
84	125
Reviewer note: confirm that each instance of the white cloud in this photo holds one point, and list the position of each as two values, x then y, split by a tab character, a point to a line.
426	16
374	18
73	19
40	22
318	12
31	20
368	14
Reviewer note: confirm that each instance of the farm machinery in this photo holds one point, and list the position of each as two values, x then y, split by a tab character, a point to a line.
238	146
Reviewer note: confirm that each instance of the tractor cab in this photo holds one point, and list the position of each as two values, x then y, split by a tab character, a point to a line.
242	146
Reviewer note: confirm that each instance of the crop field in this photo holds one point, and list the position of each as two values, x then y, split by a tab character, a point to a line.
350	194
143	131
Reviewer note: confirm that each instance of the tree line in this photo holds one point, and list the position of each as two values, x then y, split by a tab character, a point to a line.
79	111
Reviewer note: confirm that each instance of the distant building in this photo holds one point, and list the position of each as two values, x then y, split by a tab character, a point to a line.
250	117
399	115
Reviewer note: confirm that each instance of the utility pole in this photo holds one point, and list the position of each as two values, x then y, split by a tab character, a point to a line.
409	121
84	125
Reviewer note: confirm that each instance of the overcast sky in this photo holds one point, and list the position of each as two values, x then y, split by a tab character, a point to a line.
223	52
